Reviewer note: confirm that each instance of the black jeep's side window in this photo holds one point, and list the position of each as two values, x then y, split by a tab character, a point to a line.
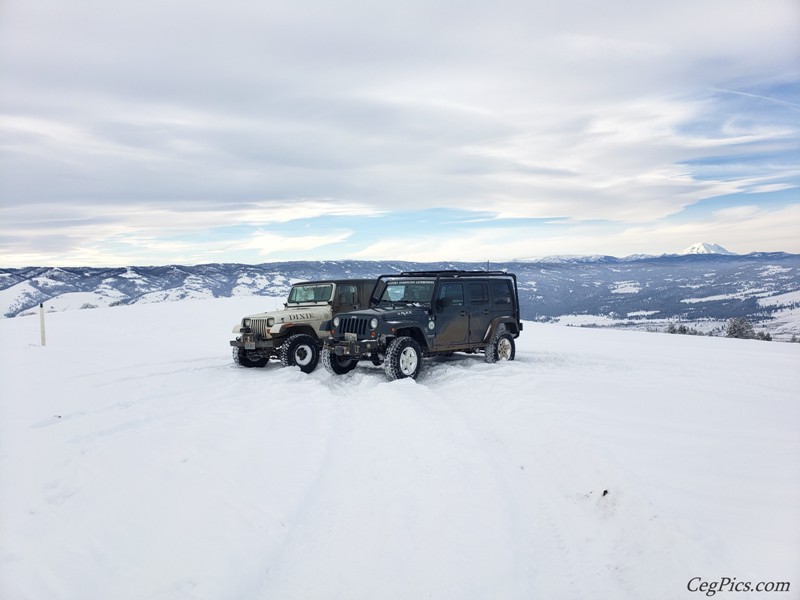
501	292
478	293
451	294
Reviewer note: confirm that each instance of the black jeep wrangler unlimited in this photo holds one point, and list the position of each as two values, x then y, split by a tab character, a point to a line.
427	313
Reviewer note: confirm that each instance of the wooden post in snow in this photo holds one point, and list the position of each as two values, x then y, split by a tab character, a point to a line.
41	321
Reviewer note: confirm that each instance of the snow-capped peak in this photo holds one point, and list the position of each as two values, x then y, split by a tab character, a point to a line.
706	248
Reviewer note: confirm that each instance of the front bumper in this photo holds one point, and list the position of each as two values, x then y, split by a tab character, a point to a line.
248	341
353	347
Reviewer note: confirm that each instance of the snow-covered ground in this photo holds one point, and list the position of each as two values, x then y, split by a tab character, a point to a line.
136	462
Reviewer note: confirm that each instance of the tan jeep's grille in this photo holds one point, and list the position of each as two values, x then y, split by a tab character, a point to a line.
258	326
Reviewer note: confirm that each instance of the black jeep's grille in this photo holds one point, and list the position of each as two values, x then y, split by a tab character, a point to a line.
357	325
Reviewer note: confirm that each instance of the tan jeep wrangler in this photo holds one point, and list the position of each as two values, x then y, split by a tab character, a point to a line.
294	335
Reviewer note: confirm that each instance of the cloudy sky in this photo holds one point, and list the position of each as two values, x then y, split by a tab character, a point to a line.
176	131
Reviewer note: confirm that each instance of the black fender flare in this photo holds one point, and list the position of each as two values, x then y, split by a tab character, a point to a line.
412	330
512	326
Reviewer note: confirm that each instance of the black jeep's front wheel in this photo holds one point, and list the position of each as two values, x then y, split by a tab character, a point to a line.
337	365
249	358
300	350
403	358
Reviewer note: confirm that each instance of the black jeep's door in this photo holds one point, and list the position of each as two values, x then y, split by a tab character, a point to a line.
479	310
452	317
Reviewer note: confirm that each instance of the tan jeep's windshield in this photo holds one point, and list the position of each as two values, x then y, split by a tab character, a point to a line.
311	293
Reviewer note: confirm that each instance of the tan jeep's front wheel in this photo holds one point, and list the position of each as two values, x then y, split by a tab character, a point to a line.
249	358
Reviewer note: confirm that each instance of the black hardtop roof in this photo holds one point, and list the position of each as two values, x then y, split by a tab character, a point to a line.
343	280
451	273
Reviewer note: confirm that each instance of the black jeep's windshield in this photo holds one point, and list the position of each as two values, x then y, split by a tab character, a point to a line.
417	291
311	293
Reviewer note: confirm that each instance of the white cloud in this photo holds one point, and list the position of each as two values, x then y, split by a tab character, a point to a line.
269	244
736	213
742	230
267	114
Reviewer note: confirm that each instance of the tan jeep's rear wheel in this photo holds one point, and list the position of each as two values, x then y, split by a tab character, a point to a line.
300	350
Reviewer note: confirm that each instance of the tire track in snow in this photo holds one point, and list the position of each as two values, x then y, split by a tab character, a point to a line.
408	505
586	540
536	447
540	540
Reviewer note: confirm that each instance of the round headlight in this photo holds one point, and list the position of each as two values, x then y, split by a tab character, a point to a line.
270	322
373	323
335	321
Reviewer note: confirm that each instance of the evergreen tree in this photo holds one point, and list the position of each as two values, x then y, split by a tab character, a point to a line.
740	327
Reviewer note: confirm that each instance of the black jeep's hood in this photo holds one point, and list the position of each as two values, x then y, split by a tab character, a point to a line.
387	311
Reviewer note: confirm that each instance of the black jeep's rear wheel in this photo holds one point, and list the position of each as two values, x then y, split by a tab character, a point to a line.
403	358
249	358
337	365
300	350
501	348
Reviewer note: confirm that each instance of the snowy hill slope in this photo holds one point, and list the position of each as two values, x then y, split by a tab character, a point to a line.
138	462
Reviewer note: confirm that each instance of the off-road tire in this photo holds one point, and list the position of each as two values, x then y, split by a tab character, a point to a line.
502	347
337	365
403	358
300	350
249	358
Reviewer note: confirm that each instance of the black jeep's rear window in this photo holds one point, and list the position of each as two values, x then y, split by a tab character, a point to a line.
501	292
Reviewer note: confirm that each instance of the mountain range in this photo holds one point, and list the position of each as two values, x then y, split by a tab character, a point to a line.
702	288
